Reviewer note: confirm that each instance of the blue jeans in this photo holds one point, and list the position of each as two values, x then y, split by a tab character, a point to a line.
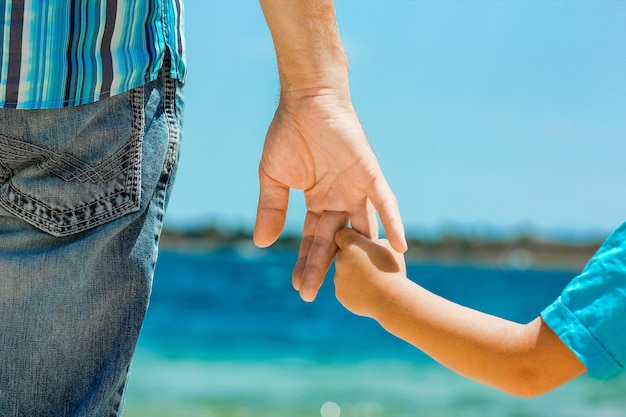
83	191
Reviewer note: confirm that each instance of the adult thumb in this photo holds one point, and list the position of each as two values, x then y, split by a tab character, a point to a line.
271	212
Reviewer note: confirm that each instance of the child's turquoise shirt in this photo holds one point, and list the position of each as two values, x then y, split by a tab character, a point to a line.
590	314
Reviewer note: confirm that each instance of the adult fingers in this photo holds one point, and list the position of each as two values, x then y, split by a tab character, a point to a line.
308	234
271	211
387	206
321	253
363	220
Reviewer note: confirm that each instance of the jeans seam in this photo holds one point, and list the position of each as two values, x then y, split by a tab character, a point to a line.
172	123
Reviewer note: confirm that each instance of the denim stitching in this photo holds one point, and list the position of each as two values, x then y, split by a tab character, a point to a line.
64	165
170	111
115	204
5	173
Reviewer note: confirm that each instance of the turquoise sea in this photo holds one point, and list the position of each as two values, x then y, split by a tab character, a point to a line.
227	336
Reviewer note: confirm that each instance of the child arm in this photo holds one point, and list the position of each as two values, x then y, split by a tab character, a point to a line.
521	359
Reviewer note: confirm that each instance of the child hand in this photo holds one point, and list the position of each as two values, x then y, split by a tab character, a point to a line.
367	273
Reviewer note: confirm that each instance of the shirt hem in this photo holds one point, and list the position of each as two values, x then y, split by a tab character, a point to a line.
599	362
174	74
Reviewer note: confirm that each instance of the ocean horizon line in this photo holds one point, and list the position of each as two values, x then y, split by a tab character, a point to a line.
454	246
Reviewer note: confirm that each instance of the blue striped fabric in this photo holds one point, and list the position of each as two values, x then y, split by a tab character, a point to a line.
58	53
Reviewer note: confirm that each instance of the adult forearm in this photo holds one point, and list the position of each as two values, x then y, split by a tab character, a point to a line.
308	47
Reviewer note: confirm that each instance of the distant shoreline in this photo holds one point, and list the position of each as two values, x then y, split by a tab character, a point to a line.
517	252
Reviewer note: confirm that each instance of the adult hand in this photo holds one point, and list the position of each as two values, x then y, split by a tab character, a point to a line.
316	144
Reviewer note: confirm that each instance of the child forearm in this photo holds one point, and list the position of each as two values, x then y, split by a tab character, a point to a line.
524	360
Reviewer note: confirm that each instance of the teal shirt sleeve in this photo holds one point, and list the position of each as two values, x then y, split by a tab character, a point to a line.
590	314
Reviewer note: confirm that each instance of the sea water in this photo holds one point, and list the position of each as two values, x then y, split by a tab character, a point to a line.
227	336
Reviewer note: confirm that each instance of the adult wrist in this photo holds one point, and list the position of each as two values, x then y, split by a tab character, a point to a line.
299	81
309	51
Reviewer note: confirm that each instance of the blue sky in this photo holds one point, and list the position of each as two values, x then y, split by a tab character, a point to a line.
485	115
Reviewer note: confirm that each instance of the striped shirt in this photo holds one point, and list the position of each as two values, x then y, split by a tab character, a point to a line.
59	53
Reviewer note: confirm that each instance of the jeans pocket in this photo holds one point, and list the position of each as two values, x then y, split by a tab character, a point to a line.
68	170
